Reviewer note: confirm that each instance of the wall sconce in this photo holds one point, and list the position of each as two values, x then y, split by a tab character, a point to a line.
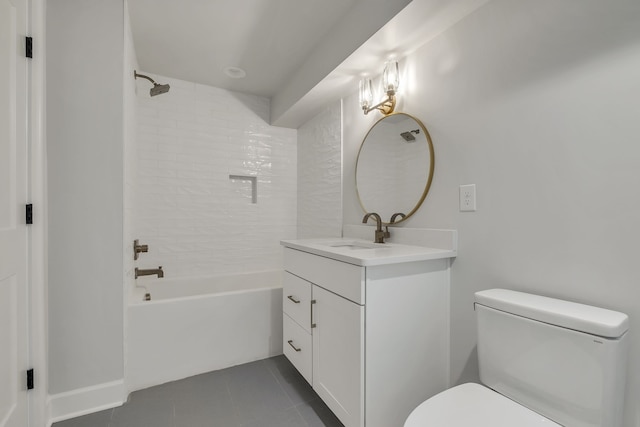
390	83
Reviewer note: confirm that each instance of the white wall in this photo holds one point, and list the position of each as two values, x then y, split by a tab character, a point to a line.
320	174
195	219
85	197
130	168
537	103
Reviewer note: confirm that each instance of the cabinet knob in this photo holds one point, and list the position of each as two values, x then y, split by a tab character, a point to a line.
293	346
293	299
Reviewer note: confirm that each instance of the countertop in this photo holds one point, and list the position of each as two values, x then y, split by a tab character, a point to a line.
365	253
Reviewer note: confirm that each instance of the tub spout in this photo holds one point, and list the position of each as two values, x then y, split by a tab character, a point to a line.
149	272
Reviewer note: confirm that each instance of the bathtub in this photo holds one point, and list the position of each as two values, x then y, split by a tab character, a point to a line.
192	326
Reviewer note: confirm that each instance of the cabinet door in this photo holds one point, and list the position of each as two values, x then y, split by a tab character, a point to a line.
338	355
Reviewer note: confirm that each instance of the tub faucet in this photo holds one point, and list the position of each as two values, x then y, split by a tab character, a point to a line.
380	234
149	272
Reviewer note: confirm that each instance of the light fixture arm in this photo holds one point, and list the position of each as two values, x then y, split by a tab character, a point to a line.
386	106
390	82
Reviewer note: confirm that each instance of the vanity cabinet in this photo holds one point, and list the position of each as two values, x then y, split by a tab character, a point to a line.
373	341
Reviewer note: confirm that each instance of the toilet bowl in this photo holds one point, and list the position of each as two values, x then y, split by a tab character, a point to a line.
474	405
543	363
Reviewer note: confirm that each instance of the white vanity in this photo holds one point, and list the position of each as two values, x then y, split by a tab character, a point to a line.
367	325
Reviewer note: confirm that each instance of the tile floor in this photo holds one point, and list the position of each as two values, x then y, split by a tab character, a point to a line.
266	393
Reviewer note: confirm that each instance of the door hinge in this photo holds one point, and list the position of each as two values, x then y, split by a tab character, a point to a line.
28	215
28	47
30	379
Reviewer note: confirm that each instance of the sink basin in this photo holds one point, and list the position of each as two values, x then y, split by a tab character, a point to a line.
353	245
363	252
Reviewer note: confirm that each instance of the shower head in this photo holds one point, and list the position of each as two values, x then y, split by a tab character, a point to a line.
408	135
157	89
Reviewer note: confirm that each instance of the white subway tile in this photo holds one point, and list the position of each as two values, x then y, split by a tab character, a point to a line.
196	221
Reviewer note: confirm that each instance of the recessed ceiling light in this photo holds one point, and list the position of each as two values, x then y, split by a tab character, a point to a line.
235	72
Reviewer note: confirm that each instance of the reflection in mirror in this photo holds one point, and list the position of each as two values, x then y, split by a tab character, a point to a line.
394	167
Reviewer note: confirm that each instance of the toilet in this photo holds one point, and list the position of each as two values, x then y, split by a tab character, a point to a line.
543	362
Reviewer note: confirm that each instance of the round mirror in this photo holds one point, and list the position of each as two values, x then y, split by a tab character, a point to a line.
394	167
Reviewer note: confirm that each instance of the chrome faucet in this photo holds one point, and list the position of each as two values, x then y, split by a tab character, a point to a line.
380	234
149	272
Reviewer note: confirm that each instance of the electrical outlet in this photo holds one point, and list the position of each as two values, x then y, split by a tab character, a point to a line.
468	198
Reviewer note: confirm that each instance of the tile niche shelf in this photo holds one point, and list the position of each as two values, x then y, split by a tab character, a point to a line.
244	179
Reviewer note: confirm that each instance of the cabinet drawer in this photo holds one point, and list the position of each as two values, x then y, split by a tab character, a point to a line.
338	277
296	346
296	300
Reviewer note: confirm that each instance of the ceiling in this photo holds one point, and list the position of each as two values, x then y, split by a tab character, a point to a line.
195	40
293	51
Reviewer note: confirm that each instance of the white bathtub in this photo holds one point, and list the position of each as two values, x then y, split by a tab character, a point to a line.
192	326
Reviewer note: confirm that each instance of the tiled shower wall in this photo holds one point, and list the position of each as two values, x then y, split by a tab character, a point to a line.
197	220
320	174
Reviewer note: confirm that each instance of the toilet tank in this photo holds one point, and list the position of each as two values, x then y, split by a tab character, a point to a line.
564	360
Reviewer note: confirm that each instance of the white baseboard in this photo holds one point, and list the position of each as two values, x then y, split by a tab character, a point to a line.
82	401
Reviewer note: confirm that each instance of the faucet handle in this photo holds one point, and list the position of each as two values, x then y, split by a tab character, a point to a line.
138	248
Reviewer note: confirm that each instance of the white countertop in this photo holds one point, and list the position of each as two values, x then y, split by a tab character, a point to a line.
366	253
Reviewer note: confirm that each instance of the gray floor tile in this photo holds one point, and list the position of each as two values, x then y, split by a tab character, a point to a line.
212	386
245	372
265	393
142	411
160	392
255	392
293	383
190	415
205	410
97	419
288	418
317	414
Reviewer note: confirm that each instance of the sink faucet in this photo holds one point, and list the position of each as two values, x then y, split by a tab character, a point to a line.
149	272
396	215
380	235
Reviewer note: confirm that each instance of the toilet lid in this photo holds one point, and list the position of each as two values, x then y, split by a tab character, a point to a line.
473	405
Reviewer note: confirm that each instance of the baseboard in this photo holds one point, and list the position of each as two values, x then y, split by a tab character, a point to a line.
82	401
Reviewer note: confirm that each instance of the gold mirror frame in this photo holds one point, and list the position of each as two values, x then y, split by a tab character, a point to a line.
431	165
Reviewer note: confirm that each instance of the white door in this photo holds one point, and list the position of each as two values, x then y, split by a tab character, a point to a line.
338	355
13	231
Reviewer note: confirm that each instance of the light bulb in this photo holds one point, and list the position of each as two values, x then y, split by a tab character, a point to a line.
366	93
390	77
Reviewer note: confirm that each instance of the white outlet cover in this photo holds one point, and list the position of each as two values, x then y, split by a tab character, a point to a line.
468	198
